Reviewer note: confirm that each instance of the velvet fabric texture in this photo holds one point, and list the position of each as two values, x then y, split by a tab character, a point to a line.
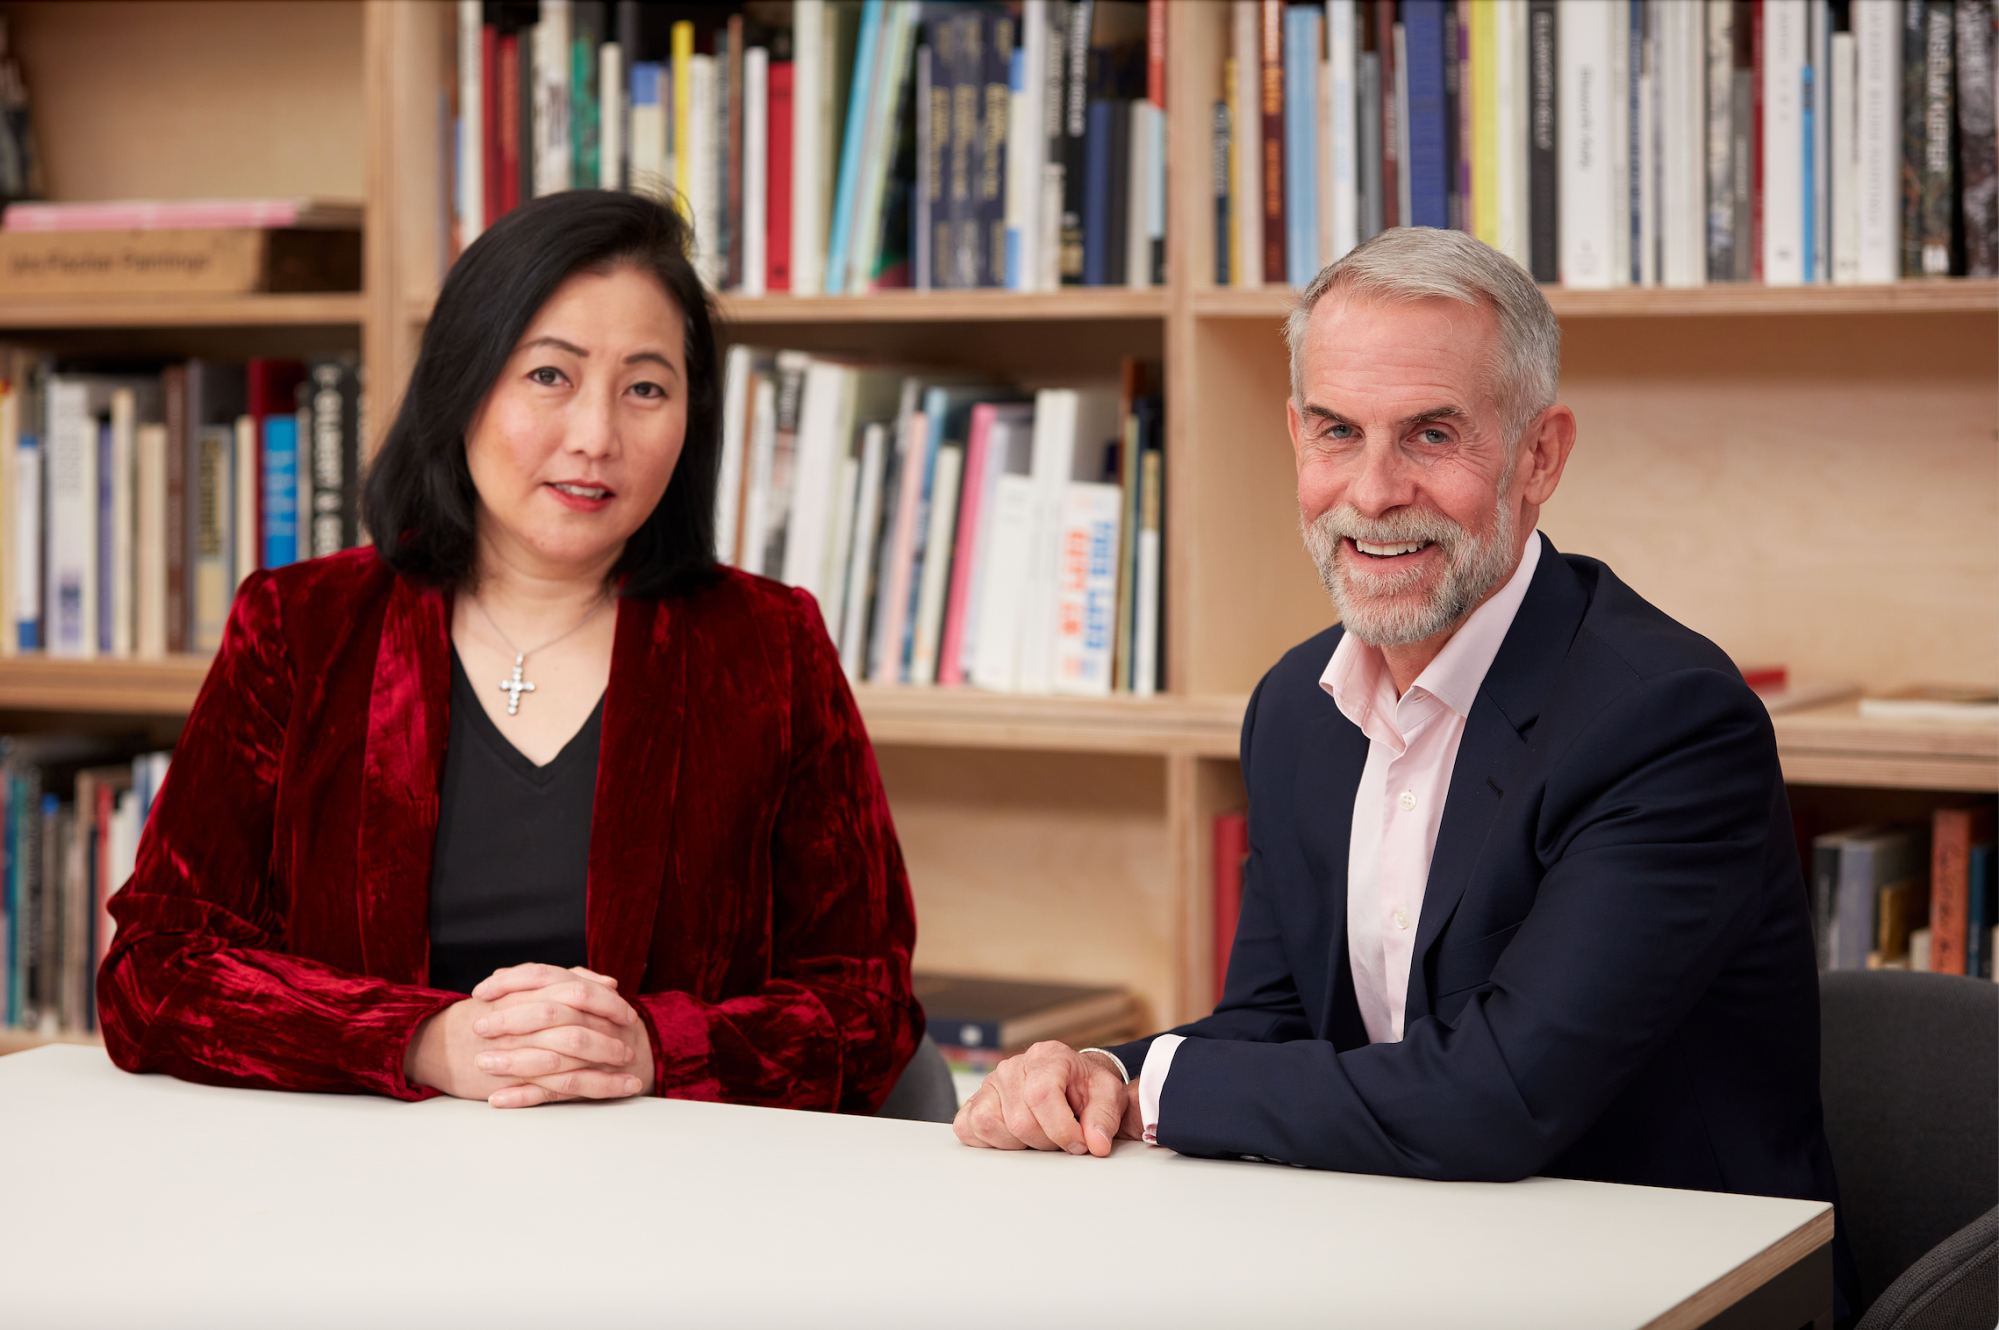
745	882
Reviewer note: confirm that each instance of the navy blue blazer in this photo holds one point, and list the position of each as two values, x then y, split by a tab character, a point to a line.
1614	974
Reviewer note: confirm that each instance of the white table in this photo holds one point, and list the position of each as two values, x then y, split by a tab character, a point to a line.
142	1201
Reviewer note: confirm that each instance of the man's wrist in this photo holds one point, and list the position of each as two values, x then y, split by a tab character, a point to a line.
1117	1063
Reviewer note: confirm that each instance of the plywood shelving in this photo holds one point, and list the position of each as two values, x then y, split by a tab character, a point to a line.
1742	448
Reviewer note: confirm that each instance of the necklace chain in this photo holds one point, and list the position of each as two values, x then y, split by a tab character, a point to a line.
523	655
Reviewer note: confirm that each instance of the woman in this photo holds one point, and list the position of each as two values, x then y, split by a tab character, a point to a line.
532	801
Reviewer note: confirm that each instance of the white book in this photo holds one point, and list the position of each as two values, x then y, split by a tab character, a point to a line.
944	494
1645	167
736	374
551	98
1086	589
10	443
611	111
1138	244
1155	191
1247	117
825	398
1785	37
1070	427
26	524
861	557
703	190
1339	144
471	125
1589	207
115	582
762	454
846	491
1150	556
1009	449
1510	133
1009	538
893	82
1623	165
756	168
1682	144
1048	242
1026	150
70	626
149	544
246	557
808	91
1844	163
1877	139
648	173
1820	258
1400	88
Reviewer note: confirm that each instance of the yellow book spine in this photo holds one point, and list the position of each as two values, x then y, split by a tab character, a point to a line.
1485	121
1226	220
683	118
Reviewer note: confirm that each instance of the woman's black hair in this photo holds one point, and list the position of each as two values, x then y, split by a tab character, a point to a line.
418	498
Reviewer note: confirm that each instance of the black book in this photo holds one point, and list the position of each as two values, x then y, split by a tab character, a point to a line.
1914	136
996	94
924	197
1978	147
957	46
1118	200
1454	128
330	397
586	34
1075	135
1939	159
1219	167
1544	170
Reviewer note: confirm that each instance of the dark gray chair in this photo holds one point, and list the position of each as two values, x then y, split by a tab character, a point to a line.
923	1093
1910	1080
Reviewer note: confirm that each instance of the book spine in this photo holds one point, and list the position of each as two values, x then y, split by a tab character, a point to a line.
925	200
1075	129
1097	197
104	554
1939	140
807	74
938	542
1719	33
753	265
1246	116
70	593
1978	146
471	121
149	557
729	145
586	32
173	391
994	115
1231	832
210	580
1368	127
1019	208
1543	161
959	43
1429	129
1783	142
851	149
1145	679
1587	188
1118	196
1877	42
1270	86
490	111
1155	53
1456	135
118	512
613	118
866	550
1221	166
507	122
1340	190
245	498
1845	161
1086	589
1300	108
1483	115
1393	133
779	174
1759	162
1818	143
551	100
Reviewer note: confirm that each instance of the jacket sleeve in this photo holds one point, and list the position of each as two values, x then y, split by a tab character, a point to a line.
1652	840
1260	1000
835	1023
196	982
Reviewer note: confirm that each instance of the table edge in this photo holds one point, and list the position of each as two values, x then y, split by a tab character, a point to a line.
1709	1302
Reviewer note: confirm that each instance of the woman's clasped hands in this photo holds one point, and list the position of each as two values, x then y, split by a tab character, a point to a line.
535	1034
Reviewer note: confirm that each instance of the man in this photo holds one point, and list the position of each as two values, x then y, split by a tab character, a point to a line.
1522	895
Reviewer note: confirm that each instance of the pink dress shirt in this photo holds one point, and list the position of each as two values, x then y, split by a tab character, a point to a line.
1412	748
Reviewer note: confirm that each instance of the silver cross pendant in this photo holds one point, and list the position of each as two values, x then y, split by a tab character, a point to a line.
515	686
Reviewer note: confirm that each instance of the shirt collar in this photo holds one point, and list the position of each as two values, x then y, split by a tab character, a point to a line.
1357	680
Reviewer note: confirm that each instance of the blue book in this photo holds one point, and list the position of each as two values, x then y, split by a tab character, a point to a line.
1810	209
1097	196
280	532
1303	41
28	538
1016	82
1981	912
1429	121
106	557
851	149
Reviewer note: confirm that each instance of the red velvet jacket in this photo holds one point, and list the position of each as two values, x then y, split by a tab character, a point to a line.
744	879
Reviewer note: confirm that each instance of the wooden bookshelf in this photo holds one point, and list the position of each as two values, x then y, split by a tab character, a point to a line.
20	1041
1740	450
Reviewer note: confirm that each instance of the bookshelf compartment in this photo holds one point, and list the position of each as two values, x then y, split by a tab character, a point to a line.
1039	866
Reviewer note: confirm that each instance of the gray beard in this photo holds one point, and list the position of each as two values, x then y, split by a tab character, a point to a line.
1376	609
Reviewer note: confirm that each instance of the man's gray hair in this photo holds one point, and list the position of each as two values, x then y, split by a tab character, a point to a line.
1410	263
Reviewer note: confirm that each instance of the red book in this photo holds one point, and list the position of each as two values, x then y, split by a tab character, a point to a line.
509	116
270	388
1953	831
1155	52
971	515
1384	47
777	191
1231	850
489	119
1272	105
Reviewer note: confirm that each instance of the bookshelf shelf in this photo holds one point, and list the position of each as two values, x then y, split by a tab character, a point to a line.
246	311
109	687
967	718
20	1041
1836	746
1104	304
1952	296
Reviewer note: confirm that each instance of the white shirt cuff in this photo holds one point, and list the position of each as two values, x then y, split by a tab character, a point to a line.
1152	1079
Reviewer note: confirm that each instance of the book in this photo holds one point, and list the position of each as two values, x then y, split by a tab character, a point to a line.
1953	831
150	541
1783	143
989	236
1221	169
781	125
1231	841
854	145
1981	910
729	153
117	446
965	1011
586	33
1483	112
1086	589
551	137
1007	528
1304	39
331	394
1877	139
1937	183
1073	131
1863	861
1844	161
1978	146
211	572
754	264
280	490
976	491
947	474
864	548
1339	158
1587	187
1270	104
1149	555
1428	166
1027	148
1934	702
1246	121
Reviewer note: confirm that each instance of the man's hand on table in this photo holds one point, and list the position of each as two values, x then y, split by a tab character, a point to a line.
534	1034
1052	1098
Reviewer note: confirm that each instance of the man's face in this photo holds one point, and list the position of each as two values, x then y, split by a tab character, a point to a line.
1408	492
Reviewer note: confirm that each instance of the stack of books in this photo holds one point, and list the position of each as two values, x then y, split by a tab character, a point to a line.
953	531
70	819
1615	142
978	1022
834	147
137	496
1908	897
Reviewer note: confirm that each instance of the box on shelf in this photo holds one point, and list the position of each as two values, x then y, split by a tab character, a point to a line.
208	262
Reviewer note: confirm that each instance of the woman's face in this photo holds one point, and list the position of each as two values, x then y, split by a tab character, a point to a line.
577	439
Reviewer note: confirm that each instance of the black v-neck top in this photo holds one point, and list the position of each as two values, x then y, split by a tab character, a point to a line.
512	860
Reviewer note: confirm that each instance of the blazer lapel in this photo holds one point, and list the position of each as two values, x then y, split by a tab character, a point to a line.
637	763
1328	778
1509	701
408	723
